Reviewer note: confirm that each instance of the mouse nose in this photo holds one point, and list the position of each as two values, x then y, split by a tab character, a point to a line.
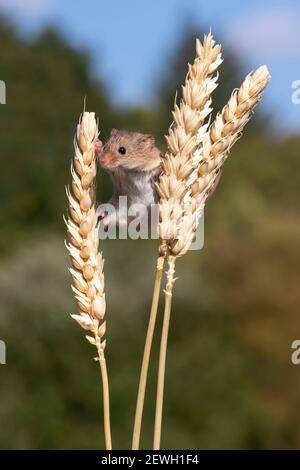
107	160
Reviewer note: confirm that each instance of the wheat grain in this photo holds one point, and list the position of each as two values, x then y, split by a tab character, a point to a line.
213	149
86	261
179	164
212	153
228	126
185	134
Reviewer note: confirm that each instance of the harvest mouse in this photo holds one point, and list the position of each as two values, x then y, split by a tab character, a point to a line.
134	163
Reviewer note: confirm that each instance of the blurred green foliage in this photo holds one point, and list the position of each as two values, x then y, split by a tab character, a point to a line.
230	382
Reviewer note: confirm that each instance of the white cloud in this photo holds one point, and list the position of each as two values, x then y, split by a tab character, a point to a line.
272	33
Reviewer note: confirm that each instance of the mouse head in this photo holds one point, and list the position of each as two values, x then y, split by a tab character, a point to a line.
128	150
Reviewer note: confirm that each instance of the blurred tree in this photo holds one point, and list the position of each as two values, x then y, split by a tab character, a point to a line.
47	81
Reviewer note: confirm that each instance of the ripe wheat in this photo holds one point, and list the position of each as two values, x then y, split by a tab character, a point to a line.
86	261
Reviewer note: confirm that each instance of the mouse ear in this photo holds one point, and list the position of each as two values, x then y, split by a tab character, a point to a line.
148	140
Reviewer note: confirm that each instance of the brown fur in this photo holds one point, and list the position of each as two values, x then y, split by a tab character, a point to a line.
141	152
133	174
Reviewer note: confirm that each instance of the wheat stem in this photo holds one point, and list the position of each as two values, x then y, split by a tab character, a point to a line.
86	260
163	353
106	407
191	168
146	356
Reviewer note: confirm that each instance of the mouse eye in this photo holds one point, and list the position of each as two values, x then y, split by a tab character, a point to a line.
122	150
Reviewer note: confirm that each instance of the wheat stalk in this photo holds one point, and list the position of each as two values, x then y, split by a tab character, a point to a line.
180	163
163	352
86	261
213	149
146	355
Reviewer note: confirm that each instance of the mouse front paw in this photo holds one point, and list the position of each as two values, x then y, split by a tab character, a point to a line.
104	217
101	213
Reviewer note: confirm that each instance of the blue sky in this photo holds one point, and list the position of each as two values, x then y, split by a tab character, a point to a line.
128	40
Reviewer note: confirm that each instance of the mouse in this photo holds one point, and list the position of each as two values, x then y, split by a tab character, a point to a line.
133	162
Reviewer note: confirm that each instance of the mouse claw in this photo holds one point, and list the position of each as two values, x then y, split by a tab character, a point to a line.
100	213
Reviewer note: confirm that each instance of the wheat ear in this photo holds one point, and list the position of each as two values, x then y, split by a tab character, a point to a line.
180	163
228	126
86	261
185	135
212	151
